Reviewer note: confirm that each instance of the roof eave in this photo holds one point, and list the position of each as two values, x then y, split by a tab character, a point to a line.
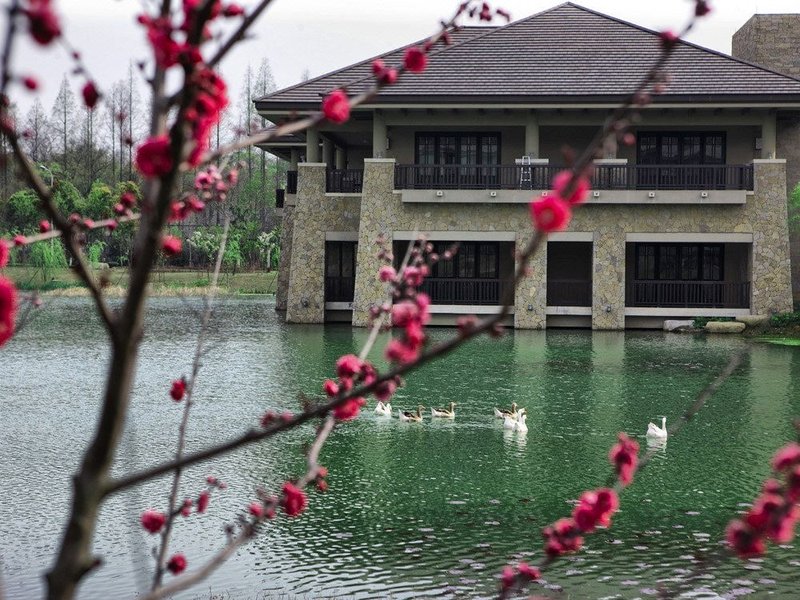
588	100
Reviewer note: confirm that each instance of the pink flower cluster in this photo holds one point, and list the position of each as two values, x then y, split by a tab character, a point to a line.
171	245
775	513
522	574
42	21
208	92
411	315
595	508
294	500
336	107
553	211
351	371
624	455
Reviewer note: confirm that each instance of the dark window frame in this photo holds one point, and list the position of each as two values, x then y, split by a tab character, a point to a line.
479	135
681	135
454	265
658	269
339	247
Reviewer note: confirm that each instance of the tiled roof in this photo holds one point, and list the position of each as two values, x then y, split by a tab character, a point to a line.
567	54
313	89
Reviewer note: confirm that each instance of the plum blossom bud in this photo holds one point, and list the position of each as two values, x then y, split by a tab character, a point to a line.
415	59
153	520
176	564
386	273
256	509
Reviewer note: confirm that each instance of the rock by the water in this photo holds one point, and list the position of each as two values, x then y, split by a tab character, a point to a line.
753	320
724	327
677	324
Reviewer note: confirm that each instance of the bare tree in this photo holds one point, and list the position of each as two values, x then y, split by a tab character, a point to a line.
63	117
37	133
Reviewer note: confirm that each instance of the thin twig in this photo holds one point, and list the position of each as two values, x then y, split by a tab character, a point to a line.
248	530
184	425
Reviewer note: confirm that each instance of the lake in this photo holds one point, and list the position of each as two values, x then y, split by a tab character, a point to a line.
414	509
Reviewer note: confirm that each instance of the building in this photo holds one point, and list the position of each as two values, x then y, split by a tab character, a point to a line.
691	220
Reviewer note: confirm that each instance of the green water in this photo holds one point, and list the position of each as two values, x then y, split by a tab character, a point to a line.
413	510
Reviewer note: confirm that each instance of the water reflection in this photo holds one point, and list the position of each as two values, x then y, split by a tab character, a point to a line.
414	509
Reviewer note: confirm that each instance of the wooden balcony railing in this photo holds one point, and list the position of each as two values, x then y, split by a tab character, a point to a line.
340	289
605	177
348	181
688	294
483	292
291	182
569	292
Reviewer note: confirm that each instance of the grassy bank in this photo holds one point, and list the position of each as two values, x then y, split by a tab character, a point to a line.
163	283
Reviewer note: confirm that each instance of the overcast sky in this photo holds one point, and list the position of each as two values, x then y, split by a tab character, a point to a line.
322	35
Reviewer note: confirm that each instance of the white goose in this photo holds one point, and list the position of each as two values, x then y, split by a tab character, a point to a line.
520	425
656	432
502	413
405	415
510	422
444	413
383	410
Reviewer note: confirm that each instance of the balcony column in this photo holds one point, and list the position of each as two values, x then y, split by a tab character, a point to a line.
530	297
341	158
306	293
772	279
608	279
769	137
328	149
312	145
379	209
294	159
532	135
379	133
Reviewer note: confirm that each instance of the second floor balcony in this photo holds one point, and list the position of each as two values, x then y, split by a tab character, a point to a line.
604	177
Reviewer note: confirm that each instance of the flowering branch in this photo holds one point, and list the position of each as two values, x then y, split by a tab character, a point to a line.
596	507
259	512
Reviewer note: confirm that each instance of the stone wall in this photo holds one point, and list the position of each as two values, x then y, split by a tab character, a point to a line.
284	265
788	147
382	211
773	41
315	214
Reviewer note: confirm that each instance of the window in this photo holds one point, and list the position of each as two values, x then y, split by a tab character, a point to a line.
472	260
679	262
457	149
684	148
340	271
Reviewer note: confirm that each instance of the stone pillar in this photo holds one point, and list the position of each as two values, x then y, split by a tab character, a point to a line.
377	208
341	158
771	281
769	134
312	145
327	152
294	159
379	133
608	279
284	264
532	135
306	290
530	297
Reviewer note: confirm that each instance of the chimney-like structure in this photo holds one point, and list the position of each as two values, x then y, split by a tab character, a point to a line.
773	41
